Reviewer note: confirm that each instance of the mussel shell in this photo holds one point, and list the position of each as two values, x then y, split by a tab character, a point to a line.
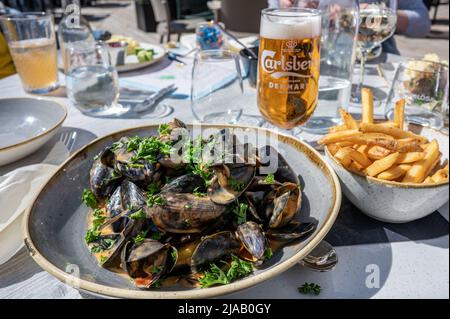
260	185
221	191
253	240
293	231
283	204
214	247
186	213
144	172
140	261
183	184
102	179
284	173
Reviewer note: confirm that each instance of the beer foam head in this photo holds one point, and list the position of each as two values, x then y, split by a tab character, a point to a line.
290	24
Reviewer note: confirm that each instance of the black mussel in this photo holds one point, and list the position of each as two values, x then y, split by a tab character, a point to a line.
184	184
230	182
273	162
282	204
292	231
185	213
147	262
253	240
127	199
113	255
102	179
184	256
214	247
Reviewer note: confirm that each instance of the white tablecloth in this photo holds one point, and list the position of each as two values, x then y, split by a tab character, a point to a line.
407	267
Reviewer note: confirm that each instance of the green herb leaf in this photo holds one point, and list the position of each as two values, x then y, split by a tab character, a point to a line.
198	193
139	239
153	200
239	210
103	259
89	199
269	179
239	268
153	189
235	184
157	284
140	214
164	129
92	235
311	288
269	253
213	276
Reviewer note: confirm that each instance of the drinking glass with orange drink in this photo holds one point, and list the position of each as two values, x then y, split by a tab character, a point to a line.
32	44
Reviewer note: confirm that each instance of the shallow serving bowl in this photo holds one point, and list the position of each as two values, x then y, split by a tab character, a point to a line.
394	202
26	124
55	224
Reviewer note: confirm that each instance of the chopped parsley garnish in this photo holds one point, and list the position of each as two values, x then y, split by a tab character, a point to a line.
133	143
153	200
116	145
311	288
156	235
235	184
156	269
157	284
198	193
140	214
153	189
93	234
103	259
164	129
139	239
269	179
239	211
105	244
174	255
89	199
238	268
269	253
193	158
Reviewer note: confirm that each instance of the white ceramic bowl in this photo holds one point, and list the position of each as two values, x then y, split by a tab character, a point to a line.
26	124
394	202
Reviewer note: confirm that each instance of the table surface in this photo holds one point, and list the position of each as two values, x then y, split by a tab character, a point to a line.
376	260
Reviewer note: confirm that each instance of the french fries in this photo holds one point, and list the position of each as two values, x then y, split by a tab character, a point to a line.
382	165
417	173
394	172
399	114
349	121
385	150
367	106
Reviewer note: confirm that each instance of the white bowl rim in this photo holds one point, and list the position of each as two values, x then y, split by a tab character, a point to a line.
46	132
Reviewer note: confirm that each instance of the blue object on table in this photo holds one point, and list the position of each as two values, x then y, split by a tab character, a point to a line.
209	36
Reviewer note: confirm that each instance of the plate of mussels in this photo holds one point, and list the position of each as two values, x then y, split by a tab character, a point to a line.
176	211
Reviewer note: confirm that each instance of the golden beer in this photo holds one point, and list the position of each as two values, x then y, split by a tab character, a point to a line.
36	63
289	66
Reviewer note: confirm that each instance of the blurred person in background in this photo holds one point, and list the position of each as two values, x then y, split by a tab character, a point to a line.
413	19
6	63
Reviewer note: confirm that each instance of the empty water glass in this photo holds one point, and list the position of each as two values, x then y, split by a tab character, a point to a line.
92	81
216	89
424	85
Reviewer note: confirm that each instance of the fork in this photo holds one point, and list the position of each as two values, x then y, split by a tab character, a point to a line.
68	139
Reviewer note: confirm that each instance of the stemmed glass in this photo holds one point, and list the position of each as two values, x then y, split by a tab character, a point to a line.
289	66
378	21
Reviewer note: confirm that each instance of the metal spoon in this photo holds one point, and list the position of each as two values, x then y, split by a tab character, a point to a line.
323	258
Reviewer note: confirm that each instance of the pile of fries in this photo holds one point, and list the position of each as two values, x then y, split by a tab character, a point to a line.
385	150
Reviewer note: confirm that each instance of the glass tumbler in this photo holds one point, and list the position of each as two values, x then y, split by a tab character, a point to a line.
217	87
340	24
32	44
424	85
92	81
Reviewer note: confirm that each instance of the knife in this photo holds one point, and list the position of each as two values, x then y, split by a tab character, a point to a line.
154	98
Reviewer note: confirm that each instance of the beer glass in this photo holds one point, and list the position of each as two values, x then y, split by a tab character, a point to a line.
32	44
289	65
378	22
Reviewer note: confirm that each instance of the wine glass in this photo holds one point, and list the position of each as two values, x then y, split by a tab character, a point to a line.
378	21
289	66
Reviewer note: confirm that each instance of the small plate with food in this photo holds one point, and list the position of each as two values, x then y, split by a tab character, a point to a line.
177	211
139	54
391	172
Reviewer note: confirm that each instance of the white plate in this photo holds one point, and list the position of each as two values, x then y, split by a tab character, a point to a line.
26	124
132	63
